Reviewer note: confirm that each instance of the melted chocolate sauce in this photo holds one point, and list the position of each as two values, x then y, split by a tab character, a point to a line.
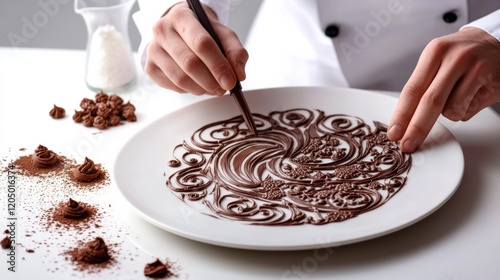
303	167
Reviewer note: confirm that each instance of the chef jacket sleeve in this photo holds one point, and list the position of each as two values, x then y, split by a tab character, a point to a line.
151	10
489	23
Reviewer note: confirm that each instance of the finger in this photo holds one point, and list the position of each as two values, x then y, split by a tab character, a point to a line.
206	51
180	52
192	66
430	107
153	71
461	96
421	78
236	54
171	75
483	98
159	77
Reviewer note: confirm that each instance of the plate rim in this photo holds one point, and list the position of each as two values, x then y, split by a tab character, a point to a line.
228	243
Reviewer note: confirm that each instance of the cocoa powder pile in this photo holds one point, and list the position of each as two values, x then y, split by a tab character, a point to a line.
160	270
70	201
92	256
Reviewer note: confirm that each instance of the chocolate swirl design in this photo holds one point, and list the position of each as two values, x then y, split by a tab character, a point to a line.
44	158
155	269
87	171
74	210
303	167
57	112
93	252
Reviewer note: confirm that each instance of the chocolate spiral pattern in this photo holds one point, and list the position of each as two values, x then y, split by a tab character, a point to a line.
44	158
74	210
155	269
87	171
94	251
303	167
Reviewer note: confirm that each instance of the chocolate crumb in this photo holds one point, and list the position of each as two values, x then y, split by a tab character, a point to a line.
156	269
6	243
30	250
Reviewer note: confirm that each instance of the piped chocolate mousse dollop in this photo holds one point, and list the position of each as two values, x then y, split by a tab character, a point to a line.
93	252
44	158
74	210
57	112
87	171
105	111
156	269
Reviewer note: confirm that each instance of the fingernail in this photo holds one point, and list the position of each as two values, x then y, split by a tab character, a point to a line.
227	81
410	145
241	69
220	92
395	132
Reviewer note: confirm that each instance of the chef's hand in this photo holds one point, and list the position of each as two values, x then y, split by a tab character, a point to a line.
184	58
457	75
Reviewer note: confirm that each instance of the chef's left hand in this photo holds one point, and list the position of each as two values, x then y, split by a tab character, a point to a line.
457	75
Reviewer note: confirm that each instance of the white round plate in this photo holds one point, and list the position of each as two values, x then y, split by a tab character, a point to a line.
141	172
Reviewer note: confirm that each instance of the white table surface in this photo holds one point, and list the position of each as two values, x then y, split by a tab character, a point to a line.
461	240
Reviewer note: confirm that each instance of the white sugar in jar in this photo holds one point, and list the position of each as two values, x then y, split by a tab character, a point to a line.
110	66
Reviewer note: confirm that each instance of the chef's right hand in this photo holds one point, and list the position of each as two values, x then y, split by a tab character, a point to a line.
183	57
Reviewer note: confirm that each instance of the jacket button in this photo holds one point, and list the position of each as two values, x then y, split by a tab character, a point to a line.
450	17
332	31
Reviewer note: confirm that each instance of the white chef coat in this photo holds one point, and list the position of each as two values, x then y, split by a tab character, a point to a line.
377	46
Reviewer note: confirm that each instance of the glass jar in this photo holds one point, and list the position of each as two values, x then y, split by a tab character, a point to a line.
110	65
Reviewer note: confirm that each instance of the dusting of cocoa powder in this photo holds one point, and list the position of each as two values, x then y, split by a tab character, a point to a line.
72	214
161	270
91	256
42	161
57	238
